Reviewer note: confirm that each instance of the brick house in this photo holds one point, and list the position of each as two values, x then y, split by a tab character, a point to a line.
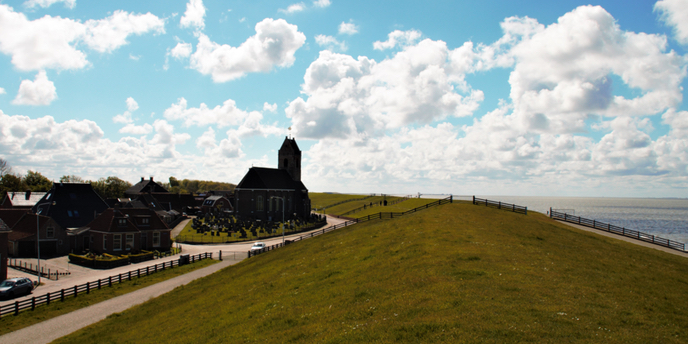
53	239
128	230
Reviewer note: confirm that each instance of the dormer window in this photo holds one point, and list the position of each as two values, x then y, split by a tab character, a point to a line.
122	222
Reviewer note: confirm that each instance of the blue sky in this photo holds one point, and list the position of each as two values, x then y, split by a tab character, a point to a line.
560	98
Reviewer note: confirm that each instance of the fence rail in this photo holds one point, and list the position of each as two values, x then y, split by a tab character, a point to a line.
344	201
376	204
32	303
501	205
352	222
629	233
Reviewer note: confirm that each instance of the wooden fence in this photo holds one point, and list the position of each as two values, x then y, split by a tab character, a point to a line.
500	205
389	215
376	204
45	299
344	201
629	233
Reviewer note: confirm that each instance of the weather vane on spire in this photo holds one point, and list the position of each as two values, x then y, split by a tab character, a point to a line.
290	133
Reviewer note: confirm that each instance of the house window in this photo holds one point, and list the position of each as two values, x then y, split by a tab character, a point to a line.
259	203
50	232
117	242
156	239
130	241
105	242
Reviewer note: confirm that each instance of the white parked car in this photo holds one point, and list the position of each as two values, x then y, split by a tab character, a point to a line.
258	246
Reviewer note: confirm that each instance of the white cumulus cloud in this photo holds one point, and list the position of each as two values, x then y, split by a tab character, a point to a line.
321	3
330	43
51	42
350	97
47	3
675	14
274	44
181	50
293	8
398	37
269	107
348	28
40	91
194	15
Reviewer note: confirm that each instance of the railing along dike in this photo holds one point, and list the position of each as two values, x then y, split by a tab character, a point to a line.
32	303
500	205
629	233
376	204
389	215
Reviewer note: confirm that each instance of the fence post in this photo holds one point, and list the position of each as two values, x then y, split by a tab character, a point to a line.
33	303
473	199
500	205
110	281
99	283
75	291
526	210
47	298
62	295
16	307
88	287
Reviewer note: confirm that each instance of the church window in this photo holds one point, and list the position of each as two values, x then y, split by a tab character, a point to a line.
259	203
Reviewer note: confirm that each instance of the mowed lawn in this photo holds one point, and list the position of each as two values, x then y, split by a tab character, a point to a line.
346	207
321	199
453	273
396	208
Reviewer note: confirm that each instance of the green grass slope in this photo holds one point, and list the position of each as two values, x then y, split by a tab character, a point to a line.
321	199
396	208
454	273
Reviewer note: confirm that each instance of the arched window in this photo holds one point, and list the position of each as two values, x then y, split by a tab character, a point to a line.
259	203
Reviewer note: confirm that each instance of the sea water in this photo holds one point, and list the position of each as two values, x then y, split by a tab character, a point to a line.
663	217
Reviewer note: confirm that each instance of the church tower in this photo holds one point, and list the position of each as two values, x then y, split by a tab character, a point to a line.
289	158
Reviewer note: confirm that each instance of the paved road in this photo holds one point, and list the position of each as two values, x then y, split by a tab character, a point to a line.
52	329
627	239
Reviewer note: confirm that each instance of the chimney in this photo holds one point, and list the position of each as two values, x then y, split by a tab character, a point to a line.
28	194
151	177
141	178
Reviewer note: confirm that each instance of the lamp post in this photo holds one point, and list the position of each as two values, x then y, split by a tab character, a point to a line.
38	242
280	198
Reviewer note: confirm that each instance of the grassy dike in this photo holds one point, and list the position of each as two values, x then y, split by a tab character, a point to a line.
454	273
10	323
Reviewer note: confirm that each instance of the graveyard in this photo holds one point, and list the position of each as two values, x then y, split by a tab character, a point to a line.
217	226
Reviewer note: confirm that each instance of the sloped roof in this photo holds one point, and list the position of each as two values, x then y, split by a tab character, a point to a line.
269	178
167	201
145	185
108	221
156	223
20	199
290	144
71	205
3	226
26	226
12	216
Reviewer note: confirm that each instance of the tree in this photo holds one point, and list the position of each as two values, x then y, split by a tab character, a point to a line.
4	168
37	182
110	187
11	182
71	179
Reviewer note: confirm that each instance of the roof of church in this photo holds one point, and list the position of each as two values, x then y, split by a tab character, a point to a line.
291	143
269	178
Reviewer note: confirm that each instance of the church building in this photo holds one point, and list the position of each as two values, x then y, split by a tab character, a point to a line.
264	192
